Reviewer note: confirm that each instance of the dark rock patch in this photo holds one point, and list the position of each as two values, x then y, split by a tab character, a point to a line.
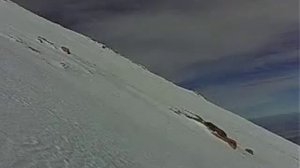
215	129
66	50
249	151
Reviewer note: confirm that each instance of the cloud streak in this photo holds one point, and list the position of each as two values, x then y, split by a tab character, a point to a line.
276	59
226	49
256	84
168	35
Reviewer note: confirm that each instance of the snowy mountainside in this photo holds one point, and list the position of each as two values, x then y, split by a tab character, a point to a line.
68	101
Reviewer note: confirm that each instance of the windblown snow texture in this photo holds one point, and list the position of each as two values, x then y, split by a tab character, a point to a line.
68	101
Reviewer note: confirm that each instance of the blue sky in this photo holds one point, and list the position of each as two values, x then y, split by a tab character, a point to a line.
260	83
241	54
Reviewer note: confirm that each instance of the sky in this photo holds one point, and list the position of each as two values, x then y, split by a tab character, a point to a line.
241	54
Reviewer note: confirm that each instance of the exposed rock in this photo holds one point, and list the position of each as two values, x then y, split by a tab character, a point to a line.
66	50
249	151
215	129
231	143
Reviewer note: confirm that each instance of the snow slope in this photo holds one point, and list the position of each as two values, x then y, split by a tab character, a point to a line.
93	108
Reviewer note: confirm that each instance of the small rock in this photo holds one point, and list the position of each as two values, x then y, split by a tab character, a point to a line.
249	151
66	50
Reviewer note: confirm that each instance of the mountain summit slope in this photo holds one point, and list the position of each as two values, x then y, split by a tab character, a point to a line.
68	101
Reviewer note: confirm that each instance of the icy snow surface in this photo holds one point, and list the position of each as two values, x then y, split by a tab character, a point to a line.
68	101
